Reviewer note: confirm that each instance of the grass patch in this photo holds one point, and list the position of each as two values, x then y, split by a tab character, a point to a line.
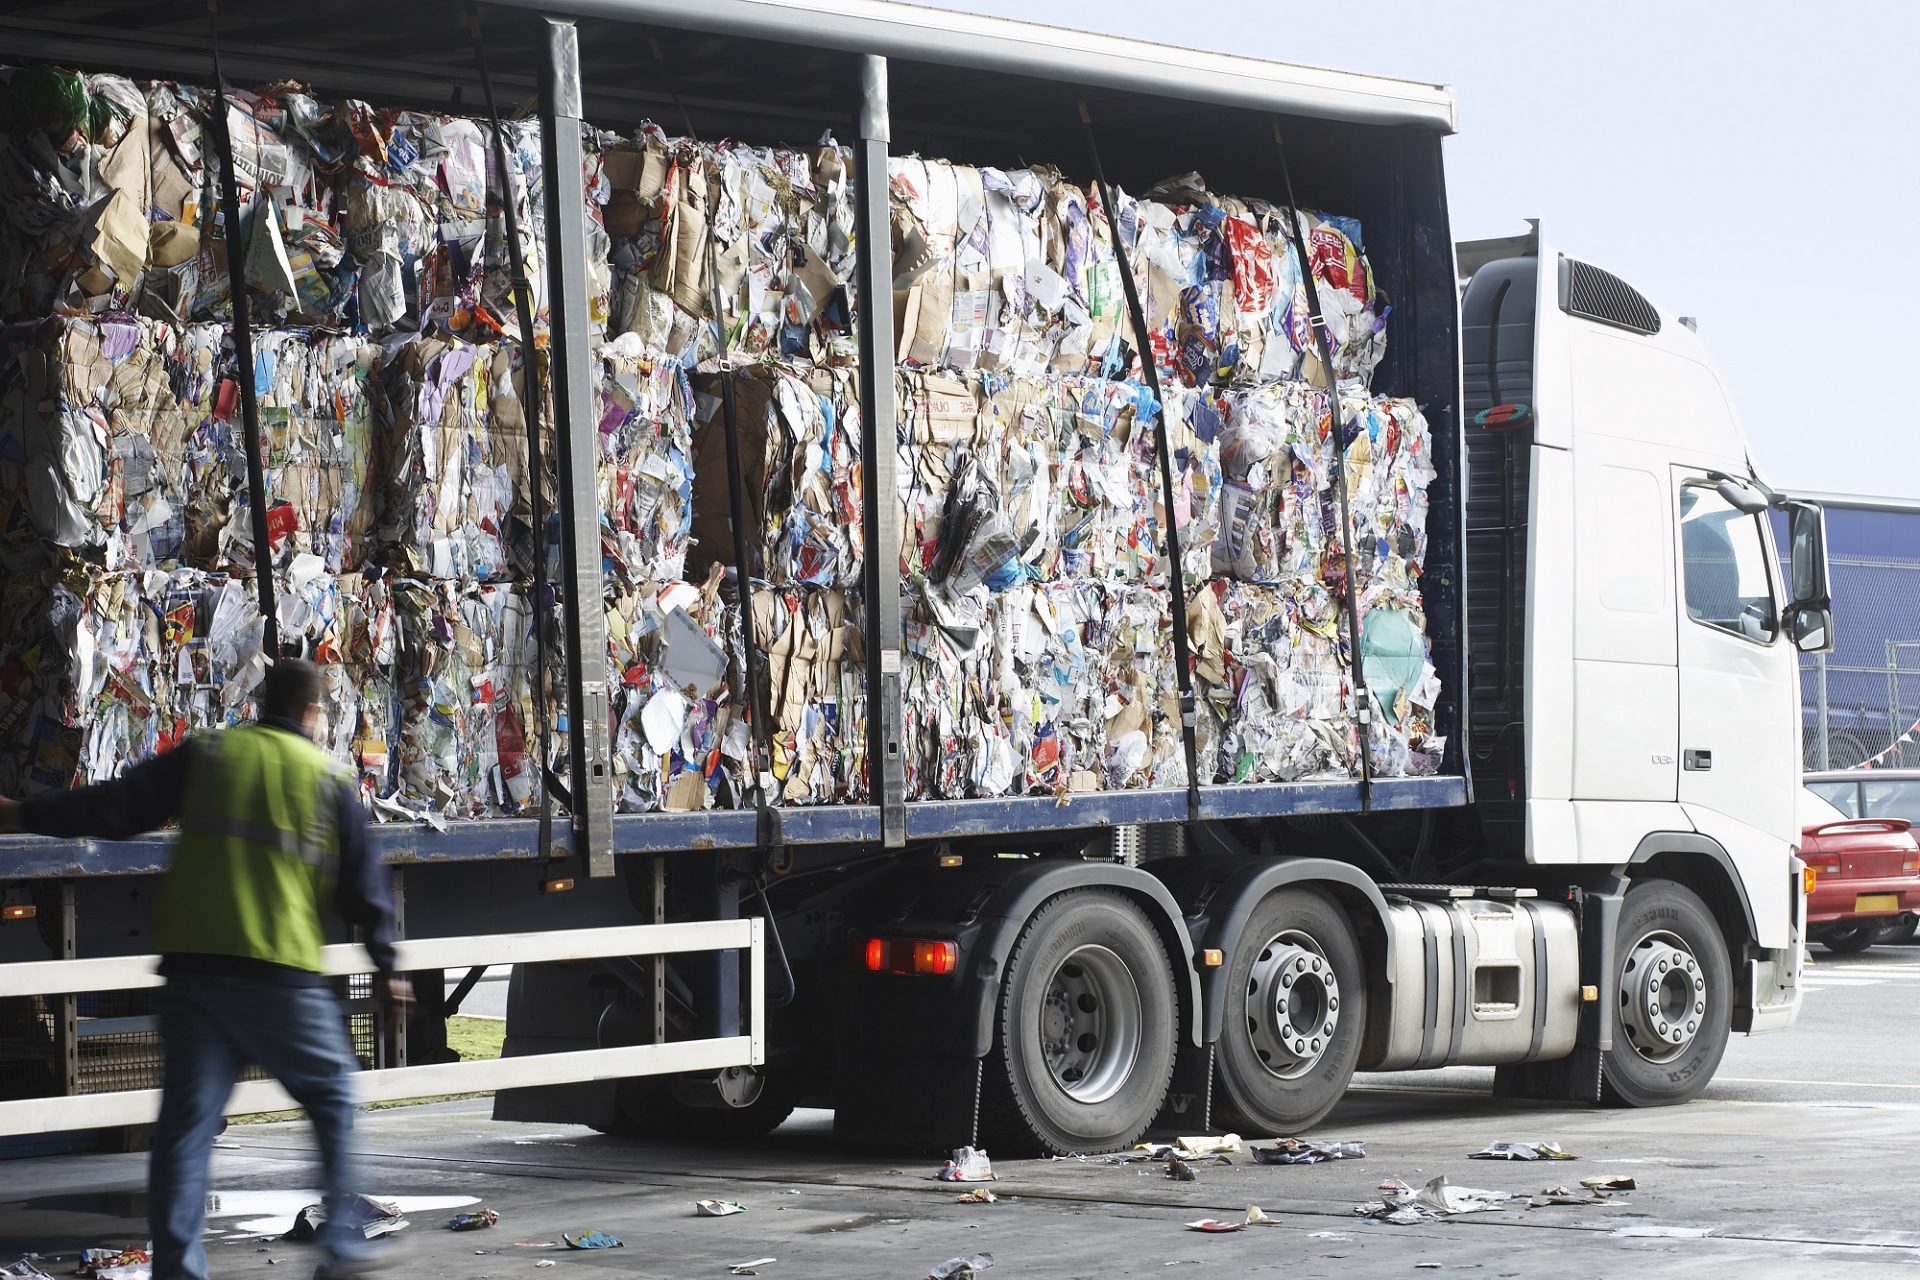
476	1037
471	1038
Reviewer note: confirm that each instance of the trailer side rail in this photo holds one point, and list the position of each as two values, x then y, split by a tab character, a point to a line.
140	1106
408	844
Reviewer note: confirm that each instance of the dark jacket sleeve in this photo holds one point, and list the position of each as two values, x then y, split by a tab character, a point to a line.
144	798
364	898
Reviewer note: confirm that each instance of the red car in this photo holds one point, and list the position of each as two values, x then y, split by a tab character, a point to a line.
1867	874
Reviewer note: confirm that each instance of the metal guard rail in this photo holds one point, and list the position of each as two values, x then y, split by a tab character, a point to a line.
140	1106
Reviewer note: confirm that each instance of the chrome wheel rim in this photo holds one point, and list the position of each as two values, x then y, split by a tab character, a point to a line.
1663	997
1090	1024
1293	1004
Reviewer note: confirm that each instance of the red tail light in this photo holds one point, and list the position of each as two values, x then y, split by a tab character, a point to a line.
911	956
1822	861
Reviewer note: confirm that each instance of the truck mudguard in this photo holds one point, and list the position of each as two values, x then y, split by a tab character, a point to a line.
1217	895
1007	913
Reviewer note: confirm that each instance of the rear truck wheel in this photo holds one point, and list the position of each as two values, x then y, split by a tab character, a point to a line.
1084	1045
1296	1011
1849	938
1674	1010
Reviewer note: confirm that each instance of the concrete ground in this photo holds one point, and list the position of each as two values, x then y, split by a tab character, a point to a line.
1797	1163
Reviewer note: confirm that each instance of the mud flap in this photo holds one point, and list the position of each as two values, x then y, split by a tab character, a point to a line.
927	1105
1576	1077
1189	1103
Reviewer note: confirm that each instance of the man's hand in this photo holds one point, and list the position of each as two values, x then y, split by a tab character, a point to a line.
9	816
395	996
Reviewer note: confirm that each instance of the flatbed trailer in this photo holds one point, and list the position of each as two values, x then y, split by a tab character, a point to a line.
1239	960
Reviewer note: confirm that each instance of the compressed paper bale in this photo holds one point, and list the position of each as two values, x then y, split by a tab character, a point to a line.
799	443
781	225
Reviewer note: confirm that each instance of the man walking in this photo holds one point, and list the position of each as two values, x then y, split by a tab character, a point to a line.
270	832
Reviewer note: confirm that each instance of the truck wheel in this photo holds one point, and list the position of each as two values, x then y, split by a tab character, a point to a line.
1849	938
1296	1010
1084	1047
1674	1013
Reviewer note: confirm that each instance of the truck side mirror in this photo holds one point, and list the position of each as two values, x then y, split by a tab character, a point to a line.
1810	616
1811	627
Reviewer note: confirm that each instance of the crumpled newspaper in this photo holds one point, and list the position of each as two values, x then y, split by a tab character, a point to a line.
1404	1206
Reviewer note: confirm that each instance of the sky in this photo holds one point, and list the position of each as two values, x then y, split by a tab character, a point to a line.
1754	165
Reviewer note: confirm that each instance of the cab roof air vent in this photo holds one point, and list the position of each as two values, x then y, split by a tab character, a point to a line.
1593	294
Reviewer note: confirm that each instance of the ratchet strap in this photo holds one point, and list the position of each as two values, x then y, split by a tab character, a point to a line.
769	834
532	404
1176	573
243	345
1341	437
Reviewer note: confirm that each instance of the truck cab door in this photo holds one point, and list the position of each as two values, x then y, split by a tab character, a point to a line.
1739	692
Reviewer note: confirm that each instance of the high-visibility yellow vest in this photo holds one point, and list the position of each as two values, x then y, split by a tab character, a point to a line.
258	852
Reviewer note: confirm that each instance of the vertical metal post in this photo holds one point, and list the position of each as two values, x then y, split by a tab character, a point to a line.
1821	758
657	886
393	1044
577	437
66	1026
873	240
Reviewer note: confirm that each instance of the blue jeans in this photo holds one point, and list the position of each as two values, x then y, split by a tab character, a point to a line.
212	1028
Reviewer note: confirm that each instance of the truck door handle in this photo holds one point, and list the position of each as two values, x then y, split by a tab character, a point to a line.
1698	761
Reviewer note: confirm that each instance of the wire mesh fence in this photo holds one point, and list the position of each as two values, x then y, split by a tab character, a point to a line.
1861	703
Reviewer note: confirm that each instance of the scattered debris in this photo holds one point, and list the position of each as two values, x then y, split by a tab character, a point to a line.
1179	1170
1404	1206
535	1244
473	1220
1302	1151
594	1240
749	1268
117	1264
1225	1145
717	1208
23	1269
1610	1182
546	1262
1256	1217
982	1196
1333	1236
1203	1151
377	1218
969	1164
1523	1151
1567	1195
961	1268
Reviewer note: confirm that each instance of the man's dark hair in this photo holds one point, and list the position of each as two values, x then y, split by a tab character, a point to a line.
292	685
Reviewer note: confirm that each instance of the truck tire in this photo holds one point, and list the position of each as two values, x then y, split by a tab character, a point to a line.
1084	1045
1674	1012
1295	1015
1846	939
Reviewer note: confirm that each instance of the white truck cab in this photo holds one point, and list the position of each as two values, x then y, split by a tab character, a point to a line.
1637	616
